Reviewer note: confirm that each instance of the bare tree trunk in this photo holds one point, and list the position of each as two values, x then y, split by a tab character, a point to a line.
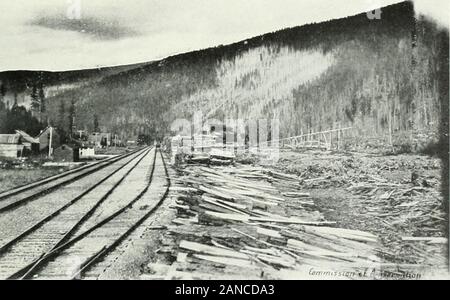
390	128
389	110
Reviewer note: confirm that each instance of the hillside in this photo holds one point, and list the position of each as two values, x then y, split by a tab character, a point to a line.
378	76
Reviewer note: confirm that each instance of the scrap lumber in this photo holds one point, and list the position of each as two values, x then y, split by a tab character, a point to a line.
211	250
269	233
289	221
431	240
317	251
226	200
224	205
243	263
228	217
343	233
296	195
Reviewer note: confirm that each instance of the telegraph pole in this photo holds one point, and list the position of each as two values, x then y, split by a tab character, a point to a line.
50	142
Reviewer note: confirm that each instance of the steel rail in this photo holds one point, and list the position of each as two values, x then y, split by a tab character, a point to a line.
96	258
4	248
19	189
27	199
28	271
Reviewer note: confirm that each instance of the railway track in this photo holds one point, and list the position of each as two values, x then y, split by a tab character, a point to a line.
22	195
24	218
58	225
88	248
82	235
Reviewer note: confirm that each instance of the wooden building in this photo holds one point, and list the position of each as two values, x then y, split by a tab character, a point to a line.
11	146
31	145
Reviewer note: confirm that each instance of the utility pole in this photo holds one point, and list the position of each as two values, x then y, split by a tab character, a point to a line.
50	150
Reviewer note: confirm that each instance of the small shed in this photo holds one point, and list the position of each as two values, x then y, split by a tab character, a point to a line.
11	146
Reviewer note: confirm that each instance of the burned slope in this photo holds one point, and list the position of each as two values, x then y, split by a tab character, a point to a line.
379	76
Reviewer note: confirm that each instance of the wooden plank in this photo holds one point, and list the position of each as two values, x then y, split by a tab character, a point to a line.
345	233
269	251
222	205
284	262
211	250
234	196
315	251
190	221
227	261
289	221
269	233
318	241
227	217
232	204
182	189
296	195
430	240
217	193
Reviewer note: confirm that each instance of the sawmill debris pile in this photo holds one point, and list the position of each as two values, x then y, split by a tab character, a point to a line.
248	220
236	219
415	213
400	205
396	197
327	169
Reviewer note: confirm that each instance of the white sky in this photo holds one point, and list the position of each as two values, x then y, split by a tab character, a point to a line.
153	29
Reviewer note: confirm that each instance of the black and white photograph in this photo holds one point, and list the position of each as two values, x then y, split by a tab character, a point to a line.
224	140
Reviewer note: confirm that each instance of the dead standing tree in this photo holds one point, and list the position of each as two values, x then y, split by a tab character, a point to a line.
35	101
385	89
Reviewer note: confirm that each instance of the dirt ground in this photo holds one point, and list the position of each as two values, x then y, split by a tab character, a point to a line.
14	173
10	178
416	212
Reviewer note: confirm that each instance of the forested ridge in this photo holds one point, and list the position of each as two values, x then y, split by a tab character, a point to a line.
381	77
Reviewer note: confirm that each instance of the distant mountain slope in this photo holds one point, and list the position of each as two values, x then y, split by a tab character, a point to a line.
379	76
